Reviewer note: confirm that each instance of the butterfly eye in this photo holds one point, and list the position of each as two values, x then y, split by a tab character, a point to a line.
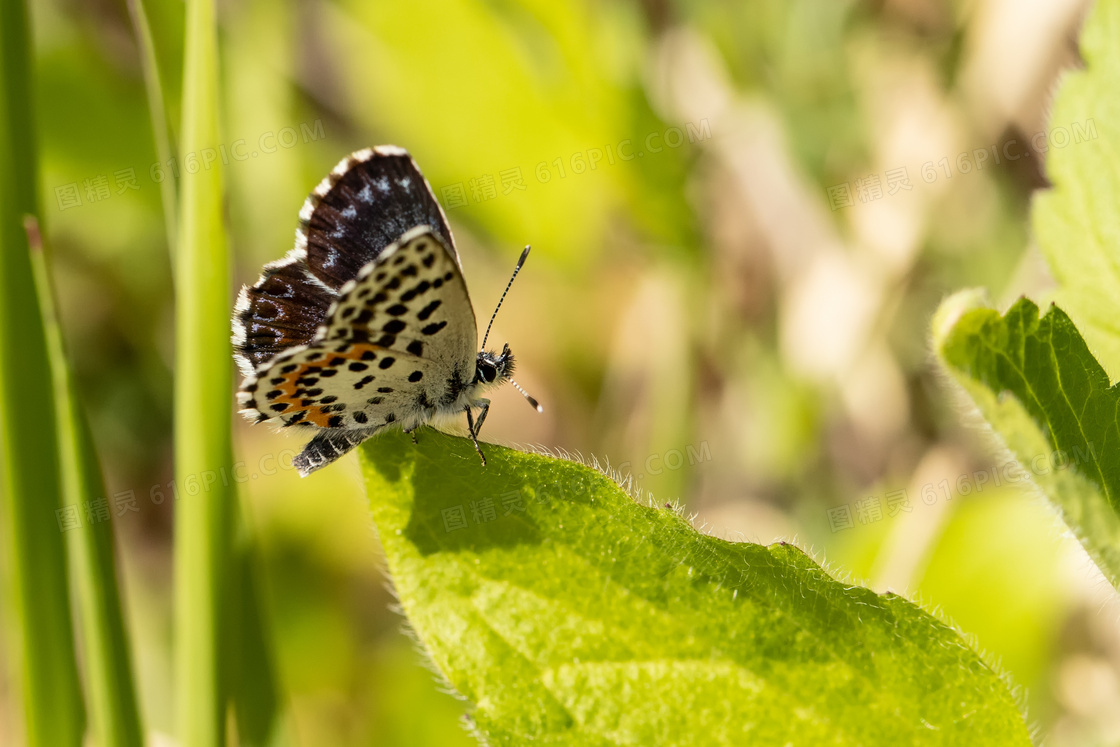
487	372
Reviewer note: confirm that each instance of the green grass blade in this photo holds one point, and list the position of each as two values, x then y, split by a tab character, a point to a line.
253	686
568	614
110	692
36	560
203	391
149	63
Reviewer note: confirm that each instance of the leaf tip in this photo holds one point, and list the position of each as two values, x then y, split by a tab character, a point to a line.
953	308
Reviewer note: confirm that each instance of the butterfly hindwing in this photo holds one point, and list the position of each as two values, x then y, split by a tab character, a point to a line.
399	339
321	385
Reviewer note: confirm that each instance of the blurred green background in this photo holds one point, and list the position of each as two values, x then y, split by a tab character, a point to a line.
737	248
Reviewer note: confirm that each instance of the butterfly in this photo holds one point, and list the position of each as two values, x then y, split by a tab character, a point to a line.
366	324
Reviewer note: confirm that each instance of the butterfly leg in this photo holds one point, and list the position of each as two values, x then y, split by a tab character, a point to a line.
475	428
484	407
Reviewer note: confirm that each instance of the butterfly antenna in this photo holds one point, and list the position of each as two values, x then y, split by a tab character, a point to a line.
516	270
529	398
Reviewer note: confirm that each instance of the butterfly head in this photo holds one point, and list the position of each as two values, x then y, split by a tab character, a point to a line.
492	369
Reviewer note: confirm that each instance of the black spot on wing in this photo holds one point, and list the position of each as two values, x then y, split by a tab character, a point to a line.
420	288
426	312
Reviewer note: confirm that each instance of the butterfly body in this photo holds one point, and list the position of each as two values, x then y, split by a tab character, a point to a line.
367	324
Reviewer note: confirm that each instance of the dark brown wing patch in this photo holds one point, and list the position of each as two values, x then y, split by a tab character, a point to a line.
283	310
363	206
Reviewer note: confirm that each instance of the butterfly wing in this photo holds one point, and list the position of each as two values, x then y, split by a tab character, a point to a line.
413	301
398	345
281	311
370	199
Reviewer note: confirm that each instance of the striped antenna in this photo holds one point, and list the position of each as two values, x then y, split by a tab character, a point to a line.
516	270
528	397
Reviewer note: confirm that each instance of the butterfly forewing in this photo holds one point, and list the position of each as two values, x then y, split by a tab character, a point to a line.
365	204
412	300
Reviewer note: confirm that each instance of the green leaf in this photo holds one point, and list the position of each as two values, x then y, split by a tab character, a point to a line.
566	613
1049	400
1077	223
1037	381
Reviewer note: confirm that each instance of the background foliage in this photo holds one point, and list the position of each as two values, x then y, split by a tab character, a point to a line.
700	316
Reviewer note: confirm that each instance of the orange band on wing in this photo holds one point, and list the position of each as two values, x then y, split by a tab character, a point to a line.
311	391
